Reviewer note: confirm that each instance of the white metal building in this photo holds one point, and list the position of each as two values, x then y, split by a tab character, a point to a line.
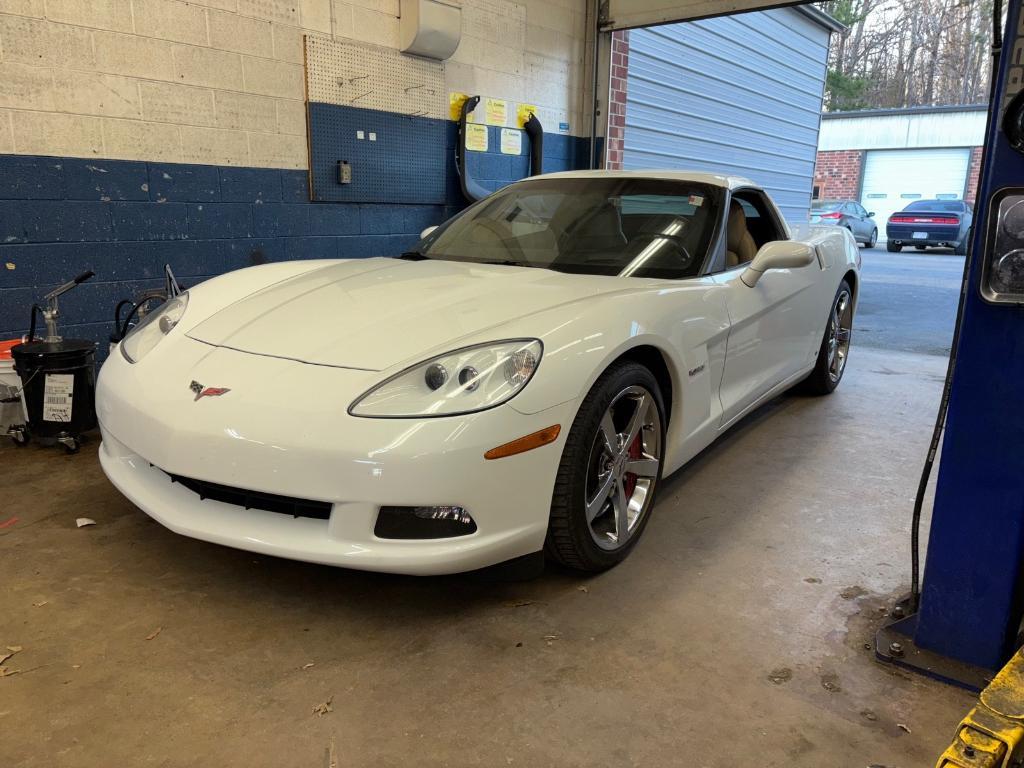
886	159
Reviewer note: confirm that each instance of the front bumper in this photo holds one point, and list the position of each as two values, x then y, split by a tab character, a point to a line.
282	429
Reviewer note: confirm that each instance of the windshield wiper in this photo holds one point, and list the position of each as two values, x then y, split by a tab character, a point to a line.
506	263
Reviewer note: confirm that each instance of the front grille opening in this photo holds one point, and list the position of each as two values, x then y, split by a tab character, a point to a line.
423	523
240	497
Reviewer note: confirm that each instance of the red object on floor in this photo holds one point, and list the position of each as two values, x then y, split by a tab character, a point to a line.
6	346
8	523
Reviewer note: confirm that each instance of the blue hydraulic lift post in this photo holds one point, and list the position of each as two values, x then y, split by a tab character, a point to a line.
971	601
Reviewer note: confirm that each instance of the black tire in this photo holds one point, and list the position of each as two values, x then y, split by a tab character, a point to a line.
921	247
960	249
821	381
891	247
874	238
570	540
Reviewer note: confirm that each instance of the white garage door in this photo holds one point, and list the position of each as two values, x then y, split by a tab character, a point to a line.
894	178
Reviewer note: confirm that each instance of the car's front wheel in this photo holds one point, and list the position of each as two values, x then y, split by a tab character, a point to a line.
609	470
874	238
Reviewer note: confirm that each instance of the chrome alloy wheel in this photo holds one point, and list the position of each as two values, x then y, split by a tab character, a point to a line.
623	467
840	329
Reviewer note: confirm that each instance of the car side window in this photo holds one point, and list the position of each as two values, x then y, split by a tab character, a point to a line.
762	223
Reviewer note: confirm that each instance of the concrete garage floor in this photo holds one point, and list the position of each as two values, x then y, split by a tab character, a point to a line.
735	635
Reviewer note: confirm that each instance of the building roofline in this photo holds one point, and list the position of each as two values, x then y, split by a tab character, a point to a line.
903	111
826	20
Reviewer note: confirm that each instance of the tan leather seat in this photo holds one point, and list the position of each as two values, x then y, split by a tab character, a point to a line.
740	246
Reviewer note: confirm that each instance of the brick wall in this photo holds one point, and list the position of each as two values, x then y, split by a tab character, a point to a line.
973	175
617	99
837	174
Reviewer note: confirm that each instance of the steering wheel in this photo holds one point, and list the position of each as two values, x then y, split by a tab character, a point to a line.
683	255
503	232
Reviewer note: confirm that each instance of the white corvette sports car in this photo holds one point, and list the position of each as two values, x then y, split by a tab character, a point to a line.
518	383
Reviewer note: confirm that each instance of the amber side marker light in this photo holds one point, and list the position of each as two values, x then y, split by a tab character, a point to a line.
525	443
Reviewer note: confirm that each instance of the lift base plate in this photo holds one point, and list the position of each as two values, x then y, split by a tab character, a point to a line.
894	644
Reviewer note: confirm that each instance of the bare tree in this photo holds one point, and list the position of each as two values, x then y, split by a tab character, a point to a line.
905	53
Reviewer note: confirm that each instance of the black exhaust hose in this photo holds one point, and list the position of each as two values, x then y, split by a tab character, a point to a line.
470	189
116	335
32	322
147	296
535	131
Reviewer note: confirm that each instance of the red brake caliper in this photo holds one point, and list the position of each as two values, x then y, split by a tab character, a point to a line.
636	451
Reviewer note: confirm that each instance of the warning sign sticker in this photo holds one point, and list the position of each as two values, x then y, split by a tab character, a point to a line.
58	393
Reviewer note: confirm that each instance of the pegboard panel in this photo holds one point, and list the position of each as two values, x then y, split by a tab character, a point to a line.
382	113
373	77
399	159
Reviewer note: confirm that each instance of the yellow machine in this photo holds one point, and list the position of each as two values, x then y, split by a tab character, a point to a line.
992	734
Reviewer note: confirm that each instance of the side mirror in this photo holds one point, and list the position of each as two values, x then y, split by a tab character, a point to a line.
426	232
871	215
779	254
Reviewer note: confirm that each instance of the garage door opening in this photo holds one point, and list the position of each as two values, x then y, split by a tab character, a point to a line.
739	94
893	179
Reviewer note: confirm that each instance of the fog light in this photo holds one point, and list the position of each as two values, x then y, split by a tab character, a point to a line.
423	523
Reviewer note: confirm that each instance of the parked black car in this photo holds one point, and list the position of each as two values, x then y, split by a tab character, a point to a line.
925	223
848	214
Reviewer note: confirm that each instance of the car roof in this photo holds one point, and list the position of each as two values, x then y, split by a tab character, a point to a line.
711	179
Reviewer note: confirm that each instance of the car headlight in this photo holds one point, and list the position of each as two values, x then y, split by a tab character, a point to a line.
463	381
157	324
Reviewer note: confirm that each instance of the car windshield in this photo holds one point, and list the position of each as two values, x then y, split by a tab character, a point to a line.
825	207
946	206
596	226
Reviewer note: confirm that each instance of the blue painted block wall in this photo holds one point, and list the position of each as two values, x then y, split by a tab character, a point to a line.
493	170
412	158
124	220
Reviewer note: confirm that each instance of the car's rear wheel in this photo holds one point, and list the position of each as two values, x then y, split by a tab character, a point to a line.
892	247
960	249
609	470
835	345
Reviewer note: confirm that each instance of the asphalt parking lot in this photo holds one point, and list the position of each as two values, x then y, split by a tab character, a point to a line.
908	300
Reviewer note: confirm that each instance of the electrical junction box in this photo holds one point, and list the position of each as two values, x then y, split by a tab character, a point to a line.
344	172
430	28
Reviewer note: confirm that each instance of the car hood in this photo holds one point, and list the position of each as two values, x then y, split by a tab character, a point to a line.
374	313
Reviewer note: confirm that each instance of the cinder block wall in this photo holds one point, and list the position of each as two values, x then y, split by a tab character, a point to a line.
139	132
